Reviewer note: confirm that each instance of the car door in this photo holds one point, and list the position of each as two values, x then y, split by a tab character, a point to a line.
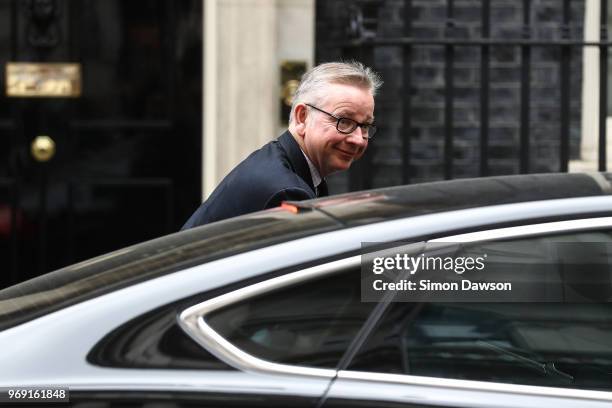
550	349
273	341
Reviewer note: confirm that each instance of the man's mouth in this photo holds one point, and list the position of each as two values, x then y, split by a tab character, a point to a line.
351	155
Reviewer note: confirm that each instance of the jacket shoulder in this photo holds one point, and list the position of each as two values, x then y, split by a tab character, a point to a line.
263	180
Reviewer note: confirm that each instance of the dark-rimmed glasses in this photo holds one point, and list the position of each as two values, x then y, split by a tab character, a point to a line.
348	126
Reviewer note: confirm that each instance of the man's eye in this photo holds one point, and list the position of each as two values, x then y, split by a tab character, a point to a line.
346	123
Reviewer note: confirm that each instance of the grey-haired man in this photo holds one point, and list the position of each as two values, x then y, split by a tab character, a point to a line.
331	122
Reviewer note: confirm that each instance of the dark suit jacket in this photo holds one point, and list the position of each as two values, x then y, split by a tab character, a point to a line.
277	172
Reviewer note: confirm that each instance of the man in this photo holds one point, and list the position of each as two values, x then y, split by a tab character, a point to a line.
330	123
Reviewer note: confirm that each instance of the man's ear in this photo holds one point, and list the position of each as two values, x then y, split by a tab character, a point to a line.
300	113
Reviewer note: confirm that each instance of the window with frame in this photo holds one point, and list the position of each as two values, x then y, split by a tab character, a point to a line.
309	324
546	344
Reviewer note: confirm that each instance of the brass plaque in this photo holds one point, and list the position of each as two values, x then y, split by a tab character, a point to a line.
291	73
56	80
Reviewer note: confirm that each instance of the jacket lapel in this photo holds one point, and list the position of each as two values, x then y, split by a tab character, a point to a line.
296	158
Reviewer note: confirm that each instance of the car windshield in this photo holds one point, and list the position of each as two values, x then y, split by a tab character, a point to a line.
125	267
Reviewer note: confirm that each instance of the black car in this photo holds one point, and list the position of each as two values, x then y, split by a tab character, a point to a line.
274	308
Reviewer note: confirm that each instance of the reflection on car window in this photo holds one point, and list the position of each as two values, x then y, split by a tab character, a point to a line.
545	344
162	256
153	340
310	324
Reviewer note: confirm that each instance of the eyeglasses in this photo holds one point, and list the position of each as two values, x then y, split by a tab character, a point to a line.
348	126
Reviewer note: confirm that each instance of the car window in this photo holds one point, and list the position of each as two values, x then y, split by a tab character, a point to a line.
310	324
153	340
546	344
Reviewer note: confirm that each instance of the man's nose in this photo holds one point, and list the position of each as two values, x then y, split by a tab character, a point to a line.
356	137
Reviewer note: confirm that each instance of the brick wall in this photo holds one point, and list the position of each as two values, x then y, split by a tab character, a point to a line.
427	91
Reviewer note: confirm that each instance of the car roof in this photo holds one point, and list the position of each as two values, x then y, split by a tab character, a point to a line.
293	220
418	199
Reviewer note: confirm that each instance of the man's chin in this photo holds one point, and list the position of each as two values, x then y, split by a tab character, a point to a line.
341	165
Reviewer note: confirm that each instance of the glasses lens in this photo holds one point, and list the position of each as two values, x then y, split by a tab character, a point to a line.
346	125
371	131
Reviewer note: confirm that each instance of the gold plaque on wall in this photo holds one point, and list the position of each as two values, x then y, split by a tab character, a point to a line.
56	80
290	75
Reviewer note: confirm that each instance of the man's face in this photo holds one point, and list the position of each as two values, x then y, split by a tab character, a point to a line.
328	149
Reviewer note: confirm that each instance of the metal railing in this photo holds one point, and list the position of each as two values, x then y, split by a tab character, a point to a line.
364	41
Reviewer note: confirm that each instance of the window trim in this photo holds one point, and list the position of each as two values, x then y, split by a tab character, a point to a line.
192	321
473	385
529	230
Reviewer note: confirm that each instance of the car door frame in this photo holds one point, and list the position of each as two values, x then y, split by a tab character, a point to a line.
410	390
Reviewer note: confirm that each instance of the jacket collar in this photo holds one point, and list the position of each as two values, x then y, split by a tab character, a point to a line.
296	158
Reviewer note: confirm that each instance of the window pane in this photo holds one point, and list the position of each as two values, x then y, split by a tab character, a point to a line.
547	344
310	325
154	340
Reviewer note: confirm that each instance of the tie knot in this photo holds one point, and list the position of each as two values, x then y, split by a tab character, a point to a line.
322	189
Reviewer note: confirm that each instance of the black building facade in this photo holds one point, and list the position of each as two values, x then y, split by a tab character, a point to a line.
124	162
472	87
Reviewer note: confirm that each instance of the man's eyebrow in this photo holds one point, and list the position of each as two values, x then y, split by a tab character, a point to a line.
344	111
347	113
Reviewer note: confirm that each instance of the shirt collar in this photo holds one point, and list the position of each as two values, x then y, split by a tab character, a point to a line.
314	173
